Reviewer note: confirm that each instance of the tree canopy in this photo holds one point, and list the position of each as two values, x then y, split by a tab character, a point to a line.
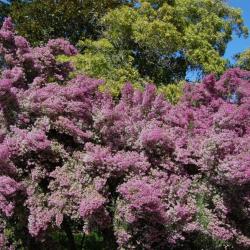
243	59
173	36
160	41
154	41
41	20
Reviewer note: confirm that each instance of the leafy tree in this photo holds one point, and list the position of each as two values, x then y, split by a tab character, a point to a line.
137	41
172	92
41	20
102	60
159	41
166	38
243	60
4	11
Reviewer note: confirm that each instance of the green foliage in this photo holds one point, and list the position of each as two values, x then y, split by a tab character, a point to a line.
135	41
208	243
101	59
159	41
4	11
204	241
172	92
202	216
41	20
168	37
92	241
243	60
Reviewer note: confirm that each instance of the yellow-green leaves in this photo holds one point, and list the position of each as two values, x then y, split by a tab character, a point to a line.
172	92
101	60
243	60
165	38
159	41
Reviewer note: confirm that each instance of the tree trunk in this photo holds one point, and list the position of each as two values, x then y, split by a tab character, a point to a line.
67	229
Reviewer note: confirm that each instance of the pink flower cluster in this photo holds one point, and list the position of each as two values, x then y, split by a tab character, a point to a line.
152	175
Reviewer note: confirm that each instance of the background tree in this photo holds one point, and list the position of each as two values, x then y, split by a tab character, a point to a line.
4	10
159	41
102	60
134	41
40	20
243	59
166	38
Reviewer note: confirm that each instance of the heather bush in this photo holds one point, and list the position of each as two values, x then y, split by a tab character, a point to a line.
133	173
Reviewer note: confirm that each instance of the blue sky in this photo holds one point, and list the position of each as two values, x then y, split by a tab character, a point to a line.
239	44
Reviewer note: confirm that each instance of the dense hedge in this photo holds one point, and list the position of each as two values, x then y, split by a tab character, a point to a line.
139	171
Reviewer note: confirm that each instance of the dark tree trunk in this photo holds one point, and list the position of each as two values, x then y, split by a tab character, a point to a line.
68	231
109	239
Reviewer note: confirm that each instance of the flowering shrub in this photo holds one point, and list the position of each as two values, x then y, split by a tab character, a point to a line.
141	172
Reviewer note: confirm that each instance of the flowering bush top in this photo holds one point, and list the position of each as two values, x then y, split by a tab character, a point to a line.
150	174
